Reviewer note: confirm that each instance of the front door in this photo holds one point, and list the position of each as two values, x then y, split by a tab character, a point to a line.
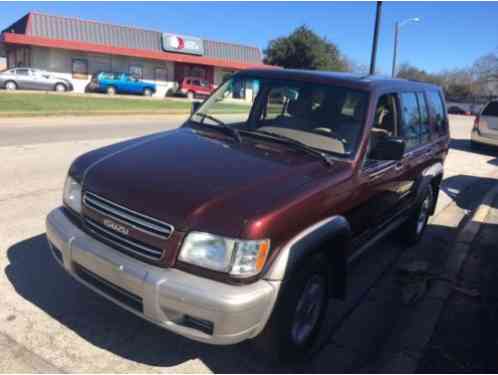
378	194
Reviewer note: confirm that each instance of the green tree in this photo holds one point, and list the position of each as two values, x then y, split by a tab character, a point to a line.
303	49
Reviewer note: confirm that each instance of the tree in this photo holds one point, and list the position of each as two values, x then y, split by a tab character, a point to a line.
303	49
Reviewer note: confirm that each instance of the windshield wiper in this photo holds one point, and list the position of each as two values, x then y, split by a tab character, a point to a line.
302	146
232	131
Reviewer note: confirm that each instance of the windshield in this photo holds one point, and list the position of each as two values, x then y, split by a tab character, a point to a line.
324	117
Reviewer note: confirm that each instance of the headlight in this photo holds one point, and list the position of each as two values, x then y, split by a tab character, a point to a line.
72	194
238	258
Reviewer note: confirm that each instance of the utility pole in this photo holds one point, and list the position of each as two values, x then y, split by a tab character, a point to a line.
395	53
375	37
396	40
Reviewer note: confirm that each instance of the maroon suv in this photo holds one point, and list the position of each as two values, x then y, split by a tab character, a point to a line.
240	224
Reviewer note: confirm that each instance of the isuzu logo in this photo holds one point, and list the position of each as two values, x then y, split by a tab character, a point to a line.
116	227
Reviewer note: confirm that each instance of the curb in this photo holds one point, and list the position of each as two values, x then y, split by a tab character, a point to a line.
427	315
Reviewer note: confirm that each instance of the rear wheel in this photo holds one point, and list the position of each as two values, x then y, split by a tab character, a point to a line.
60	87
413	229
111	90
299	313
190	95
10	85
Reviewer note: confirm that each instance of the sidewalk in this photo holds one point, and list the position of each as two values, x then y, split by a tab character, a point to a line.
466	335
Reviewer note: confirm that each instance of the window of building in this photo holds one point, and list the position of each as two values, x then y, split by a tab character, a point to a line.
198	72
11	59
160	74
410	120
80	68
136	71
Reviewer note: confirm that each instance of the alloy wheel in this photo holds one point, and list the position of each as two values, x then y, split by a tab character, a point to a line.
308	309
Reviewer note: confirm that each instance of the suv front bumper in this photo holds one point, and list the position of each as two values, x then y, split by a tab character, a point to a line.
198	308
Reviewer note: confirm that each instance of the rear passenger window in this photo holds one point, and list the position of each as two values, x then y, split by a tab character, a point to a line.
491	109
425	130
437	109
410	120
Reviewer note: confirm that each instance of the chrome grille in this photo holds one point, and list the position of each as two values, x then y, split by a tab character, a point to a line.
139	222
123	243
126	216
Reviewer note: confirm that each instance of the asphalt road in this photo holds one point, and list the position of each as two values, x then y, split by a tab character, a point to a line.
62	324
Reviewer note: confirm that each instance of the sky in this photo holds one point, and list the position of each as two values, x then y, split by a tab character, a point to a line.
450	34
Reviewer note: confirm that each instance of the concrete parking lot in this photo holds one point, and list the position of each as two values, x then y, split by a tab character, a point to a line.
49	322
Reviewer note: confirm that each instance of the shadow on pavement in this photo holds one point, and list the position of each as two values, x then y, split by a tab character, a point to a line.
37	277
466	337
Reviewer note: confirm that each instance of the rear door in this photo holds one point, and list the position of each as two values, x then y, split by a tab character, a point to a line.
24	79
488	123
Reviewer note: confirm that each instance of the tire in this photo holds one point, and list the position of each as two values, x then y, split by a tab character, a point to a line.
10	86
60	87
190	95
147	92
475	146
413	229
111	90
298	315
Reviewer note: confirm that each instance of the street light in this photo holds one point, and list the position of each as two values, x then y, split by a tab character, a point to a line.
396	38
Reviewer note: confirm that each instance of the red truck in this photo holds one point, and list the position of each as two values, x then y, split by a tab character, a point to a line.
193	87
240	224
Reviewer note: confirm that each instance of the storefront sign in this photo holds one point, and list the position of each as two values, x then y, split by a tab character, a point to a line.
182	44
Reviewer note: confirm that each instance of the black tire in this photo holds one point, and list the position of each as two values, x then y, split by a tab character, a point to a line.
60	87
413	229
280	336
475	146
10	85
111	90
190	95
148	92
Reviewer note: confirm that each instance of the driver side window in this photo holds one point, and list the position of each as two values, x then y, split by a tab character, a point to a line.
385	121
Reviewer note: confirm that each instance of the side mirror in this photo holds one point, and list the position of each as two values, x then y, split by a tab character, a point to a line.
388	148
195	107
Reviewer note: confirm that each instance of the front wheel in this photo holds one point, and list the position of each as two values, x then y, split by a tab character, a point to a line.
299	313
190	95
147	92
413	229
11	86
111	91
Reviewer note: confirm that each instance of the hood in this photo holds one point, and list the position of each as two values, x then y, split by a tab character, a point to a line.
201	180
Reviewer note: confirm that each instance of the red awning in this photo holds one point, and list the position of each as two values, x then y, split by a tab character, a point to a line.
110	50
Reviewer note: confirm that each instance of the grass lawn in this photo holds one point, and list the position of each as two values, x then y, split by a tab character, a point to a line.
42	104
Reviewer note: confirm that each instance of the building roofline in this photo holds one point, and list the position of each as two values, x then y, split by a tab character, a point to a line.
75	18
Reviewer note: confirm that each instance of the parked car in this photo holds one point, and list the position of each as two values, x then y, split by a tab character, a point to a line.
240	224
120	83
485	131
192	87
33	79
456	110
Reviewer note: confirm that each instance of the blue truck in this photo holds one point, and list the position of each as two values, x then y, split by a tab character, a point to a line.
120	83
